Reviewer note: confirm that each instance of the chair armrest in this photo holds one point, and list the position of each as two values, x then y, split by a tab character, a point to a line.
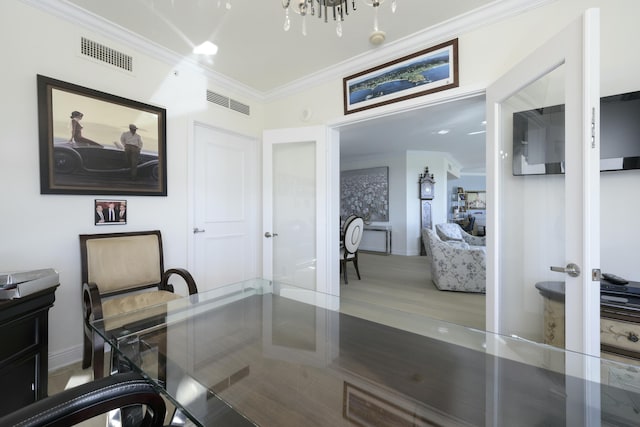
91	302
474	240
457	244
188	278
86	401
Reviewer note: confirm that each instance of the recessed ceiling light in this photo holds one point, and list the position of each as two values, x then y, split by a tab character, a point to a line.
483	123
477	132
206	48
443	131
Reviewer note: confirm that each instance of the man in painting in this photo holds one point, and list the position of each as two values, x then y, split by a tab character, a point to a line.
99	214
111	212
132	145
122	213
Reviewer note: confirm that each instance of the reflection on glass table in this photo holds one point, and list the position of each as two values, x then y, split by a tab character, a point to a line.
262	353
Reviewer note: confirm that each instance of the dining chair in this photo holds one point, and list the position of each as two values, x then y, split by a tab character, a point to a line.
350	244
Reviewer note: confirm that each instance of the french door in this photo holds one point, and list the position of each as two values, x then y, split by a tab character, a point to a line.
545	193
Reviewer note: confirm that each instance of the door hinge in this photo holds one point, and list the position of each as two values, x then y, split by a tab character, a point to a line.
593	127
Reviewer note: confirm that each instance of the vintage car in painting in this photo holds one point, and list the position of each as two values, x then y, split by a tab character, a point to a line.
74	158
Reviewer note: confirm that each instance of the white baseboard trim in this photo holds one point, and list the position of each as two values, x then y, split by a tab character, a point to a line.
65	357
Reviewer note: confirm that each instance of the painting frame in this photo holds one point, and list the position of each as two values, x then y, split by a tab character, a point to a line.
359	94
88	157
101	212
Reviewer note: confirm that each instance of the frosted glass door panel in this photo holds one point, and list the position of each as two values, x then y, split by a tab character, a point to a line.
294	213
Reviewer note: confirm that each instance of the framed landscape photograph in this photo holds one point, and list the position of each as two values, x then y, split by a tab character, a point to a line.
93	142
430	70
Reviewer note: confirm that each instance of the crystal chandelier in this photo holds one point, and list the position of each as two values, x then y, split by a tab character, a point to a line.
337	9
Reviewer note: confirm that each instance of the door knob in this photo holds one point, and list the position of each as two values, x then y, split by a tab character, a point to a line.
269	235
571	269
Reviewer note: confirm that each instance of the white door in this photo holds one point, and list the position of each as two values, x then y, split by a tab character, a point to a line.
544	211
545	194
225	206
296	209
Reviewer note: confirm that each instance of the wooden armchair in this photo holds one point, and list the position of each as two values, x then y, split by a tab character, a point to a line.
122	272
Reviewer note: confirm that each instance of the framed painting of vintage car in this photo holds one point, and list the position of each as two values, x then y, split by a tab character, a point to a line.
93	142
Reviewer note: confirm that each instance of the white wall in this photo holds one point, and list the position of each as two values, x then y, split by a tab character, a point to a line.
40	231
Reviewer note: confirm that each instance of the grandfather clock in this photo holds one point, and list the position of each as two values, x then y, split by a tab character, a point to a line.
426	183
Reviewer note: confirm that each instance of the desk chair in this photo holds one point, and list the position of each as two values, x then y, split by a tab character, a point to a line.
122	272
70	407
469	227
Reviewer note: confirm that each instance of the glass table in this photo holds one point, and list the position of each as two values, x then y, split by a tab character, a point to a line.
268	354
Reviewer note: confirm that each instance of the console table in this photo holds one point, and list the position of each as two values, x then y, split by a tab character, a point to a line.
24	338
619	323
376	238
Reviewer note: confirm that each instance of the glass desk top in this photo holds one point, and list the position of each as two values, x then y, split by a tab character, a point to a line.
262	353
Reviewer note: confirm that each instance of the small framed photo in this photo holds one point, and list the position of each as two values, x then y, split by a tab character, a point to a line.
110	212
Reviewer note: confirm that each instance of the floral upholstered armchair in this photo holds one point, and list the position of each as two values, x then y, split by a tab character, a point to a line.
455	265
453	232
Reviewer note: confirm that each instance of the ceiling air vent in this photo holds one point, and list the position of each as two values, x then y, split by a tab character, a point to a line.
104	53
226	102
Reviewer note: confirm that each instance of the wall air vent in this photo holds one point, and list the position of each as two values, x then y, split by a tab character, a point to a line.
240	107
226	102
106	54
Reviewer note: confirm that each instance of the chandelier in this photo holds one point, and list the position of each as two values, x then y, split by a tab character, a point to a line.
336	9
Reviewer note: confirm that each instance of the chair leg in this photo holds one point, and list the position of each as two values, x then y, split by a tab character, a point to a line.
98	357
86	350
355	264
343	266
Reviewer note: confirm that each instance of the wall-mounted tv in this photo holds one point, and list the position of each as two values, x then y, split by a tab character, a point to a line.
538	137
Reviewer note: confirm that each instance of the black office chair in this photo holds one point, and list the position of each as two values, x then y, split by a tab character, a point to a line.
145	406
469	227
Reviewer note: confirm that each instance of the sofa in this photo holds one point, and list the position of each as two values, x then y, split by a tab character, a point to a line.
456	265
453	232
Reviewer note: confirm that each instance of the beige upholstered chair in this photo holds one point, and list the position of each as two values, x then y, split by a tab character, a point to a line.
122	272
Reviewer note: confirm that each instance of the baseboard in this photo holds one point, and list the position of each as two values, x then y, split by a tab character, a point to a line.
65	357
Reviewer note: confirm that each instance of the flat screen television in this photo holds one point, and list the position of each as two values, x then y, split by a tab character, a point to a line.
538	137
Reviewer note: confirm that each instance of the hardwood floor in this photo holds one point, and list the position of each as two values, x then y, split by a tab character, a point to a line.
403	283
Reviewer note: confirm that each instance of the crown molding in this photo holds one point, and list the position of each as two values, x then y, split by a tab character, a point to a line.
488	14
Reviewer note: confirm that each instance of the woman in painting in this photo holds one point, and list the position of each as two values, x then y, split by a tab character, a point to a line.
76	130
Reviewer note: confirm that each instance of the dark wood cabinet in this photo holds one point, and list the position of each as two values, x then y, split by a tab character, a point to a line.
24	338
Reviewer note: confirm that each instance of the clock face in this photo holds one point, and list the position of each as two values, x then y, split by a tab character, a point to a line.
426	190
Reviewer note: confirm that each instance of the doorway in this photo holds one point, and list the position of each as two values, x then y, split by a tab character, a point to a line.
448	137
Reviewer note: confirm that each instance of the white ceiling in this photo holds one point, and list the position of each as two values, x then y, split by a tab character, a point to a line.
254	48
256	52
